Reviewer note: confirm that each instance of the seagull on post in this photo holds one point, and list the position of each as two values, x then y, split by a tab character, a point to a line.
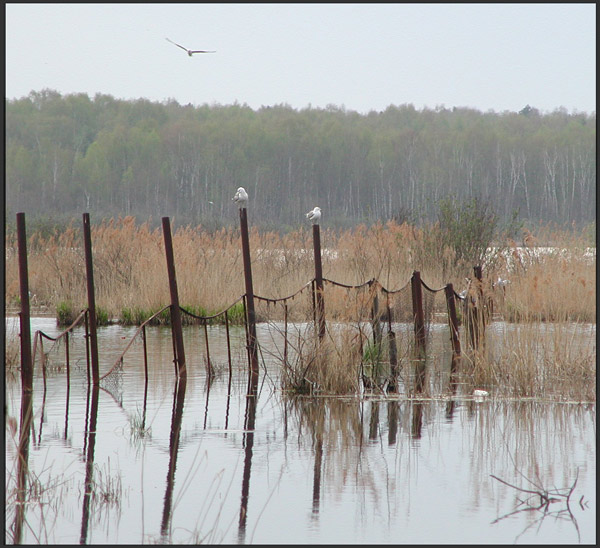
241	197
314	215
190	52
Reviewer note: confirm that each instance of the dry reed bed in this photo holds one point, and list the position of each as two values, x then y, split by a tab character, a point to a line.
130	272
130	268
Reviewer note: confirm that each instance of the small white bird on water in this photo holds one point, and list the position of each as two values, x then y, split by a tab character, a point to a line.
241	197
314	215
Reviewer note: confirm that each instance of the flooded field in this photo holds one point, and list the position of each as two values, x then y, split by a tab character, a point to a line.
160	462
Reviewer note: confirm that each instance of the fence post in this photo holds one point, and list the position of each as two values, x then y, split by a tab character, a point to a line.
145	352
250	313
481	305
87	344
67	358
89	269
375	320
393	350
24	316
419	317
320	311
175	311
453	319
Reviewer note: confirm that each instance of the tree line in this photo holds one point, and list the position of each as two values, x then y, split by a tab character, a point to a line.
66	154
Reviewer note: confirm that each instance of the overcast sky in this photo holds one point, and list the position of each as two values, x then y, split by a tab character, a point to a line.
360	56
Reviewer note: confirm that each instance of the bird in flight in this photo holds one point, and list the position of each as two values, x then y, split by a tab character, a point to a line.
314	215
241	197
190	52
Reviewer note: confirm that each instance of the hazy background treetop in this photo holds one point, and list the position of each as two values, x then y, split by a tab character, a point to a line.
71	154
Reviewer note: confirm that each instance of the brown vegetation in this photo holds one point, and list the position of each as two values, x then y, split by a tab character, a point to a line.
130	267
556	286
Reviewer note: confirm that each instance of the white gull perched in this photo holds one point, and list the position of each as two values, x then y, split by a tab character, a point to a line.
241	197
314	215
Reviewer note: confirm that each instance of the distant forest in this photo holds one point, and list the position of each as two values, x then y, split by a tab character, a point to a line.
65	155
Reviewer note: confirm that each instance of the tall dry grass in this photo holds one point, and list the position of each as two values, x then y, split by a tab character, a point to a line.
130	272
130	267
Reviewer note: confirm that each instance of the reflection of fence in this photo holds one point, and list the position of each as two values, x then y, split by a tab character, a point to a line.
373	307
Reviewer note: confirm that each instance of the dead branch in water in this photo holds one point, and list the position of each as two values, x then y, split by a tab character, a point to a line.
546	497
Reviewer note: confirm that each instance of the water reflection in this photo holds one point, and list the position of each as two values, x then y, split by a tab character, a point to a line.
249	425
26	424
90	438
176	418
375	468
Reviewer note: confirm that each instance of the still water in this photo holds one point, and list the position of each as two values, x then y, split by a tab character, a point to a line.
155	462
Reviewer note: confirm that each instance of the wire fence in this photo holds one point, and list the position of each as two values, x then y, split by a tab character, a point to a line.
379	317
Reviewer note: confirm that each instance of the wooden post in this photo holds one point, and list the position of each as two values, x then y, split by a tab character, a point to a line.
89	269
452	319
87	344
67	359
375	324
393	350
481	307
419	318
24	316
175	310
145	353
320	304
250	313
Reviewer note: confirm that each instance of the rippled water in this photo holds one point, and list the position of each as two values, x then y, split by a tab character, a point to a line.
181	466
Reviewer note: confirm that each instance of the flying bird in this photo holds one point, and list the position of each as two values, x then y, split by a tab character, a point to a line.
190	52
314	215
241	197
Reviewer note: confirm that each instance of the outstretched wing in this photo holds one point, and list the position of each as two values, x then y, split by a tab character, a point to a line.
201	51
179	46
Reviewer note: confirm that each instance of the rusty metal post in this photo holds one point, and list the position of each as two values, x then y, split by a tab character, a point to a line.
320	304
481	306
175	310
24	316
393	349
453	319
89	270
87	344
209	370
228	343
285	336
145	353
418	315
375	321
67	359
251	314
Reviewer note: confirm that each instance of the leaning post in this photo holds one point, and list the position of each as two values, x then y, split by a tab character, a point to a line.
175	310
89	269
320	303
24	317
250	312
453	319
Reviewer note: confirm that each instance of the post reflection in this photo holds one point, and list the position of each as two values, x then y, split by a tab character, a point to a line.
452	385
393	412
249	424
319	427
176	418
23	463
417	419
90	436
